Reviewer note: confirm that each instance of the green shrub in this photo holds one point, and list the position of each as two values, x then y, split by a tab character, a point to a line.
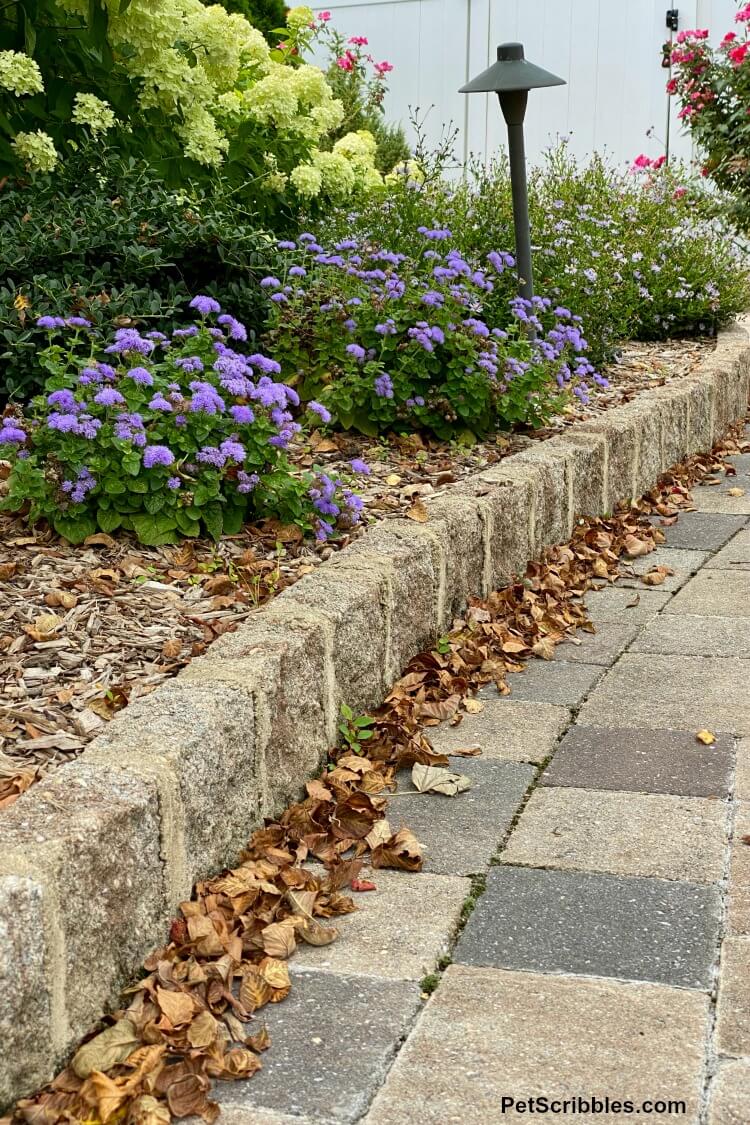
163	436
117	246
387	342
267	15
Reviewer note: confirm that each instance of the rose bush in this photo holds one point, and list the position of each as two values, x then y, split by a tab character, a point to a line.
166	436
386	342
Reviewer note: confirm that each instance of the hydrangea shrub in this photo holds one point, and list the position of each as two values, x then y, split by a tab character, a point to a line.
165	436
387	342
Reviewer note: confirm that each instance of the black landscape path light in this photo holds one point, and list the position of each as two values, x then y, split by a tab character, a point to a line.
511	78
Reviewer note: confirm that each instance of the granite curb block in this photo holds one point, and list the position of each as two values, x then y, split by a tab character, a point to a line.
94	860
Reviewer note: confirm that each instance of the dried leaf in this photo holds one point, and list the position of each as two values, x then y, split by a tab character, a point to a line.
314	934
417	512
255	992
363	885
706	737
473	706
402	850
203	1030
278	940
635	547
178	1007
146	1110
261	1041
735	492
436	779
110	1047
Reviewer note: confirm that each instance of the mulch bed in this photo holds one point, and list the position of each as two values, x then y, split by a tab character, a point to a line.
87	629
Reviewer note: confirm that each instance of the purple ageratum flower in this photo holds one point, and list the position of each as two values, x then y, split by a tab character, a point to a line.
88	427
388	328
108	396
65	401
50	323
383	386
235	328
350	325
286	245
246	482
63	423
206	399
433	299
159	402
130	340
280	298
80	488
190	364
306	237
157	337
320	410
11	434
142	376
360	466
77	322
242	414
298	271
478	327
185	333
157	455
129	427
106	371
205	305
210	455
270	283
264	364
233	450
438	235
356	351
174	483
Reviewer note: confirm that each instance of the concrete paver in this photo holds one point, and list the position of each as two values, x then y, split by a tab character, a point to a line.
511	730
730	1094
714	593
684	563
486	1035
733	1011
702	531
549	681
645	761
735	556
689	635
666	837
625	606
602	647
603	925
738	904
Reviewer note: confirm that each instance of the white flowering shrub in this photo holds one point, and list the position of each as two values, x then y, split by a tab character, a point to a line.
189	85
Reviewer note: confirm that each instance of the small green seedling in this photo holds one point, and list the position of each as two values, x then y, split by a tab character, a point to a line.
355	729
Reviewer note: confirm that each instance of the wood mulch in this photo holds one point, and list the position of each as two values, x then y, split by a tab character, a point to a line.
87	629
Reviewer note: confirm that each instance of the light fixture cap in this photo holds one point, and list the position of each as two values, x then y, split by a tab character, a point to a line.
511	72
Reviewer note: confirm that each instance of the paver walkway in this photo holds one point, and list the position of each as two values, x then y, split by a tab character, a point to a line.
608	951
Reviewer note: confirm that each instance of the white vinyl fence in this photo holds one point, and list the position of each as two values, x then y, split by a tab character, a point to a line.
609	52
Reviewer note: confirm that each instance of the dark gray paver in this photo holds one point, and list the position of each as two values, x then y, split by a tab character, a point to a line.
643	761
550	681
602	647
702	531
601	925
688	635
333	1040
461	834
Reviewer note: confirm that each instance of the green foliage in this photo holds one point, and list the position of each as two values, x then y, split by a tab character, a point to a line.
116	245
355	729
267	15
157	436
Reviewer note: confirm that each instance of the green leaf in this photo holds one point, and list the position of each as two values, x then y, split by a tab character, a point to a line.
213	518
187	525
153	531
346	711
108	520
75	528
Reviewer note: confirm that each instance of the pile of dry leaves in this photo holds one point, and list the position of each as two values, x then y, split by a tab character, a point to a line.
186	1023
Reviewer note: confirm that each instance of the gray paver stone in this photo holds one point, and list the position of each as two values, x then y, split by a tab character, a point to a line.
461	834
651	834
717	498
602	647
702	531
644	690
714	593
645	761
683	563
625	606
333	1039
509	730
603	925
684	634
735	555
487	1034
738	905
548	681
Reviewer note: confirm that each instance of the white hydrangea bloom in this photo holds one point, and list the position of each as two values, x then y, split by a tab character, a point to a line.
299	18
307	180
36	150
20	74
92	111
338	175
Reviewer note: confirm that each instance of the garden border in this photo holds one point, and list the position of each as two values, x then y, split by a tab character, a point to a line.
95	858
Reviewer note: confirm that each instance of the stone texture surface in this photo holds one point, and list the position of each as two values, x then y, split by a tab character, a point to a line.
25	988
587	471
692	635
730	1094
662	836
734	556
742	781
703	531
675	422
733	1009
399	932
683	563
716	498
602	647
701	411
549	471
333	1039
624	605
458	521
548	681
461	834
507	512
738	897
95	838
488	1034
603	925
714	593
510	730
195	739
645	761
619	433
643	690
237	1115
